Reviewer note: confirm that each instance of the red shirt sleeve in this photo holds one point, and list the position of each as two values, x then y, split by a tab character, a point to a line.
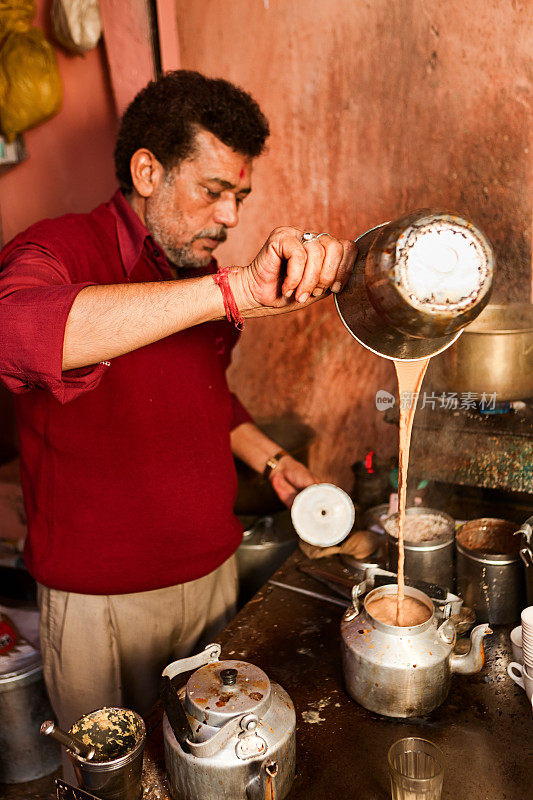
36	296
240	414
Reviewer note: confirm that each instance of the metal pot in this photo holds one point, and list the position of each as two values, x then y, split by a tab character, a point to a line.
416	283
494	355
403	671
118	736
430	561
241	740
490	574
24	754
267	542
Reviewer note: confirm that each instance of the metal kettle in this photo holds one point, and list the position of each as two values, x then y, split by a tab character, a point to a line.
416	283
229	733
403	671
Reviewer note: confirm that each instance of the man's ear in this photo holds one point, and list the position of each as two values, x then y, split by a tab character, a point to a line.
146	172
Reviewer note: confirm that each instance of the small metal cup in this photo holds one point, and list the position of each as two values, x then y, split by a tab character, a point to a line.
416	769
118	736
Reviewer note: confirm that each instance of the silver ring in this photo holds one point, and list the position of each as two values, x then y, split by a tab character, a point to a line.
309	237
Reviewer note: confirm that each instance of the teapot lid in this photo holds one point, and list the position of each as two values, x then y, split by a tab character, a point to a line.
224	689
323	514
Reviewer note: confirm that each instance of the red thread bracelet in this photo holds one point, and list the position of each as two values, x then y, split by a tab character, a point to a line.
232	312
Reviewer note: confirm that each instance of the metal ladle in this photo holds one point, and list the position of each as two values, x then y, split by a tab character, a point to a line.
78	748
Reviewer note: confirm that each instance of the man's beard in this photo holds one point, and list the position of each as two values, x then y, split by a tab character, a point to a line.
181	256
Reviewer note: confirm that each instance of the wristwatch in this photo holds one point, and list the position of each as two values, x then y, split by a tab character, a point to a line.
272	463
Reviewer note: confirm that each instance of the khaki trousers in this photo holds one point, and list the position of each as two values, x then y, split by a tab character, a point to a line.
110	650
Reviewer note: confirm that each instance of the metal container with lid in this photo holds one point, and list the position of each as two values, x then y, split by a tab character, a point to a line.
429	559
490	573
493	356
240	741
24	754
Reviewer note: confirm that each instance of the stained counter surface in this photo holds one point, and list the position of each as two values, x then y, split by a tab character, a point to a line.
484	728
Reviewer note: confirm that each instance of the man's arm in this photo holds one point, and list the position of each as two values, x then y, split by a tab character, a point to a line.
108	321
253	447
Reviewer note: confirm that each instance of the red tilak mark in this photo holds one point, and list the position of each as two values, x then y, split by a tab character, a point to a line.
241	174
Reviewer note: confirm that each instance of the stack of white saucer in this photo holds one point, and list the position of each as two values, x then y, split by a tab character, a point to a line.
521	669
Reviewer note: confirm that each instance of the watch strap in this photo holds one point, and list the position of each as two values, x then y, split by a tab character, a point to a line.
272	463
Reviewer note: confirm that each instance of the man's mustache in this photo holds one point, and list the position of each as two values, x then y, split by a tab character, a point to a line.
220	234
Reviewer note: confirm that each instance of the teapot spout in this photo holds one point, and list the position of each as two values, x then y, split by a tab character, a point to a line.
473	661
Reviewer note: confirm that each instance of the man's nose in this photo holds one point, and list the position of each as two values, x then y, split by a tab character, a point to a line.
226	212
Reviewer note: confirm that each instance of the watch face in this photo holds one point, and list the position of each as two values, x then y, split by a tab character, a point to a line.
272	463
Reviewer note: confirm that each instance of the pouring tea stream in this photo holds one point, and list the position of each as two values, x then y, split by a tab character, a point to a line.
417	282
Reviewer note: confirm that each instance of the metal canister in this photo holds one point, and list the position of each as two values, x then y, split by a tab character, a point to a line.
428	560
417	281
118	736
267	542
490	581
24	754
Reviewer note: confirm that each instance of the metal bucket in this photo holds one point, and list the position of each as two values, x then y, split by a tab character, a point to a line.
24	754
490	582
431	560
118	736
267	543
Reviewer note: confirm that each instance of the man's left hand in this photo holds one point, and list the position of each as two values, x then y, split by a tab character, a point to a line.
289	478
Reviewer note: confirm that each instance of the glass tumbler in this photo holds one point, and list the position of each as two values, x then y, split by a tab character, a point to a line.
416	769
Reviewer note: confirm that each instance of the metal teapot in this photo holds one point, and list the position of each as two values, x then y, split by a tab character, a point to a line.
416	283
229	733
403	671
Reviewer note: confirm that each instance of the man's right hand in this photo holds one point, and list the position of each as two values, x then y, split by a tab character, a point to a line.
287	273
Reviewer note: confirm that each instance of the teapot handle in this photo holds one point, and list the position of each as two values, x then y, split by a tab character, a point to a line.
271	770
264	785
210	654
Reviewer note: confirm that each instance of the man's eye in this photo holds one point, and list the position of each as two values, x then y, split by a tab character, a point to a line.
212	195
240	201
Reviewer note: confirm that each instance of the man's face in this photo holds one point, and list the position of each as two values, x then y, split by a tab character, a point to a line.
191	209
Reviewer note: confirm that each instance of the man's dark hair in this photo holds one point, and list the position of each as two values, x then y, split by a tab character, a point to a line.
166	115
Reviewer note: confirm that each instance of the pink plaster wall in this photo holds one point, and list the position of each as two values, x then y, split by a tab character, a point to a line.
376	108
70	164
127	26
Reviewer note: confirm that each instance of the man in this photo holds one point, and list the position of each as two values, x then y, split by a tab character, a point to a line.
115	341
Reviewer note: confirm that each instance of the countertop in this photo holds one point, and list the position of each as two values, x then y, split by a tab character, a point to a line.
484	728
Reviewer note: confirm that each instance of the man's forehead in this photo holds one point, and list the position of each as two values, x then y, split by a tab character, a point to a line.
213	157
